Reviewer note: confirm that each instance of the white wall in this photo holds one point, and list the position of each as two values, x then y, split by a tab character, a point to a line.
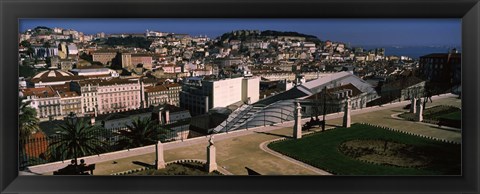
226	92
251	89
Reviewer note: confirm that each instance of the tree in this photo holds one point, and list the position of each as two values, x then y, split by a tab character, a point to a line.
27	124
47	44
76	138
86	57
141	132
27	119
25	44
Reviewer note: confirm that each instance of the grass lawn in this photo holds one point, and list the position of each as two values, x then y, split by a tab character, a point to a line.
322	150
457	115
187	168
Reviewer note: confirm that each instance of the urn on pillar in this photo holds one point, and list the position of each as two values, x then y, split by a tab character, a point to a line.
211	156
419	113
159	160
347	112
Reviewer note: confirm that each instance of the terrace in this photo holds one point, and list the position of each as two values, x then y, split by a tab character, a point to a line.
243	149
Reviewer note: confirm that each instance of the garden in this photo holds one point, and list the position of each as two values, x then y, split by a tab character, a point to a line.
369	150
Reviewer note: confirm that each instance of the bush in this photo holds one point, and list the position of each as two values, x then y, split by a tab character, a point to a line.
184	168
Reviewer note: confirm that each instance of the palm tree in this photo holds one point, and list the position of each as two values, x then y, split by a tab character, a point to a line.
27	124
141	132
27	119
76	138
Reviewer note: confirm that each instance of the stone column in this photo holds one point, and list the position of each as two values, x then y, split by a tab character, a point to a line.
346	114
413	105
211	156
159	160
297	128
419	113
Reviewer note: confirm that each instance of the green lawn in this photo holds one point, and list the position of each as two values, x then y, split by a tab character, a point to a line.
441	115
457	115
322	150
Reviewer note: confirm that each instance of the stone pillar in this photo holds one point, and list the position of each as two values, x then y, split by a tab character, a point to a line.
346	115
159	160
92	120
413	105
419	113
297	128
160	116
211	157
167	116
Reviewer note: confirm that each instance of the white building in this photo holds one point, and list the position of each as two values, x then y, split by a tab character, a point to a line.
45	100
72	49
208	94
229	91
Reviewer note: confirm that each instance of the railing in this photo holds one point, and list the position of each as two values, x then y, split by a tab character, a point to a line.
224	125
34	150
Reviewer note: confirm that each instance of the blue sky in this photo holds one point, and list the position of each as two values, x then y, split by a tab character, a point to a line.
363	32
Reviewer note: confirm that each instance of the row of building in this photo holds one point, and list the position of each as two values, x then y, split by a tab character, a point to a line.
64	92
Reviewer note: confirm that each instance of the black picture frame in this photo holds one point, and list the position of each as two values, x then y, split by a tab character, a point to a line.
12	10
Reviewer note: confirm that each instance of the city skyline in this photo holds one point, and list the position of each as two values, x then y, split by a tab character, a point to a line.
356	32
104	100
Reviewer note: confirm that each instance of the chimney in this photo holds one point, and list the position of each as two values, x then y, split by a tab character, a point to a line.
167	116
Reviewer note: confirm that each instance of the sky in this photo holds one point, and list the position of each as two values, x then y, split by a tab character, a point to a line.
356	32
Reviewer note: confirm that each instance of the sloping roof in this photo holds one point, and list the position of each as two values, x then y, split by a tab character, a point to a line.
66	94
157	88
102	82
54	76
172	85
331	92
44	92
317	85
314	85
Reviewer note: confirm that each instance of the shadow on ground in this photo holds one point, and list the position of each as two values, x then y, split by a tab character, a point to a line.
274	134
142	164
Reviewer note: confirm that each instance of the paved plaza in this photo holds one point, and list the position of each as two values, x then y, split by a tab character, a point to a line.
246	148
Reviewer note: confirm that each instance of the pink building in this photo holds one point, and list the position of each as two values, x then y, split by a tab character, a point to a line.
172	69
118	95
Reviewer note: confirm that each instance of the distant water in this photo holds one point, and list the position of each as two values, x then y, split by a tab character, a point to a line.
414	51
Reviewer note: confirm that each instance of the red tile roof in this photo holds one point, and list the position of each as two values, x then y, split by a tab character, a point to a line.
45	92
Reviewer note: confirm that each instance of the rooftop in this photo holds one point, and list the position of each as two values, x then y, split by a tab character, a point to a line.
54	75
102	82
44	92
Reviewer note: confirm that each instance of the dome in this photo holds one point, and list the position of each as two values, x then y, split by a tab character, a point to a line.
52	75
